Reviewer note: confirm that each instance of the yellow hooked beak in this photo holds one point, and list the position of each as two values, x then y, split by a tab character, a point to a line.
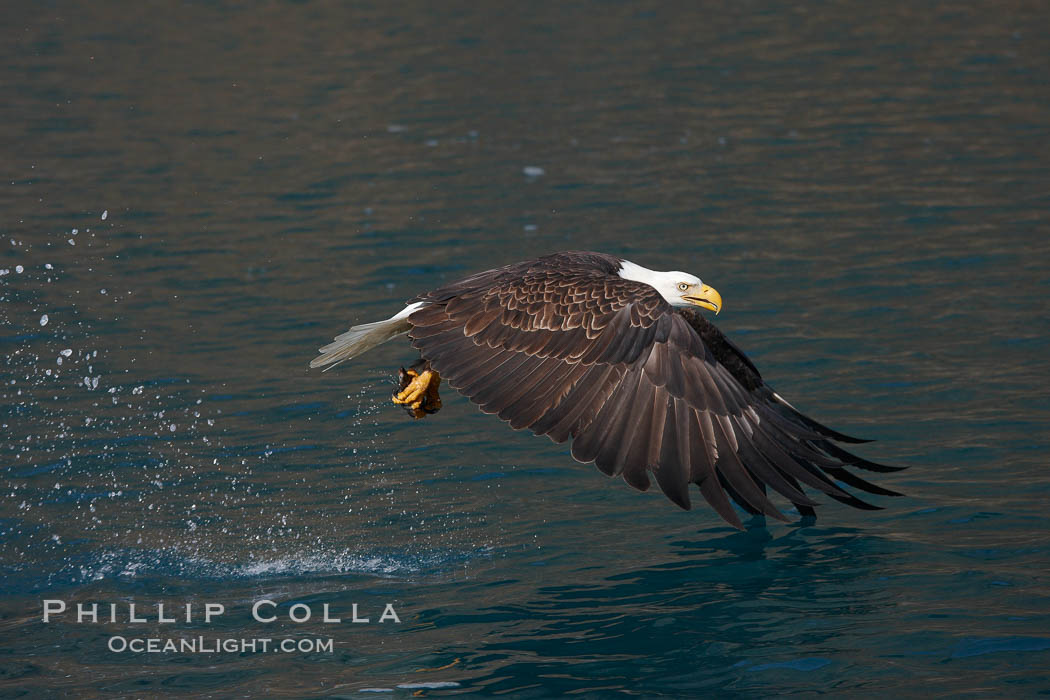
708	298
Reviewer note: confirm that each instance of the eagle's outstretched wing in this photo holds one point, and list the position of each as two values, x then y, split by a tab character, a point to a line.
639	386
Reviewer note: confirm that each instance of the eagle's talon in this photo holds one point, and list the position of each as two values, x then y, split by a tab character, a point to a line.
418	392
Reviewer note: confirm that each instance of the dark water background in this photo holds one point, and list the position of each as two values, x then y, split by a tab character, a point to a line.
197	195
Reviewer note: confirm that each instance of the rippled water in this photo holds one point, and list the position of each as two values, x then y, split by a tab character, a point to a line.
196	196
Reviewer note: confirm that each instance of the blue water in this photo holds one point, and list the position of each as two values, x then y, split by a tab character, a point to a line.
199	195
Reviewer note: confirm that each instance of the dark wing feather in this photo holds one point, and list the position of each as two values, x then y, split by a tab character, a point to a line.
566	348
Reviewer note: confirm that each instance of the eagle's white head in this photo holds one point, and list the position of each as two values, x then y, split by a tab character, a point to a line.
677	288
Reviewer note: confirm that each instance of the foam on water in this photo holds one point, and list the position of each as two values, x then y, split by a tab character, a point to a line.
127	564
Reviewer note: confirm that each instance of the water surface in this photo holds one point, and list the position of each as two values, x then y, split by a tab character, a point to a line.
197	195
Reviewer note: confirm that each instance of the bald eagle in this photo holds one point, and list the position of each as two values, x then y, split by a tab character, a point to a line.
616	357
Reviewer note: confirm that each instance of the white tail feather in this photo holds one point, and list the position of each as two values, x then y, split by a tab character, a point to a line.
362	338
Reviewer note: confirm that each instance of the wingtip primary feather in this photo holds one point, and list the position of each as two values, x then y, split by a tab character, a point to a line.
817	426
853	460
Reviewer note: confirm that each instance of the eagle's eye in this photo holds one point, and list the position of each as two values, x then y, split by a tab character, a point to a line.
683	286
